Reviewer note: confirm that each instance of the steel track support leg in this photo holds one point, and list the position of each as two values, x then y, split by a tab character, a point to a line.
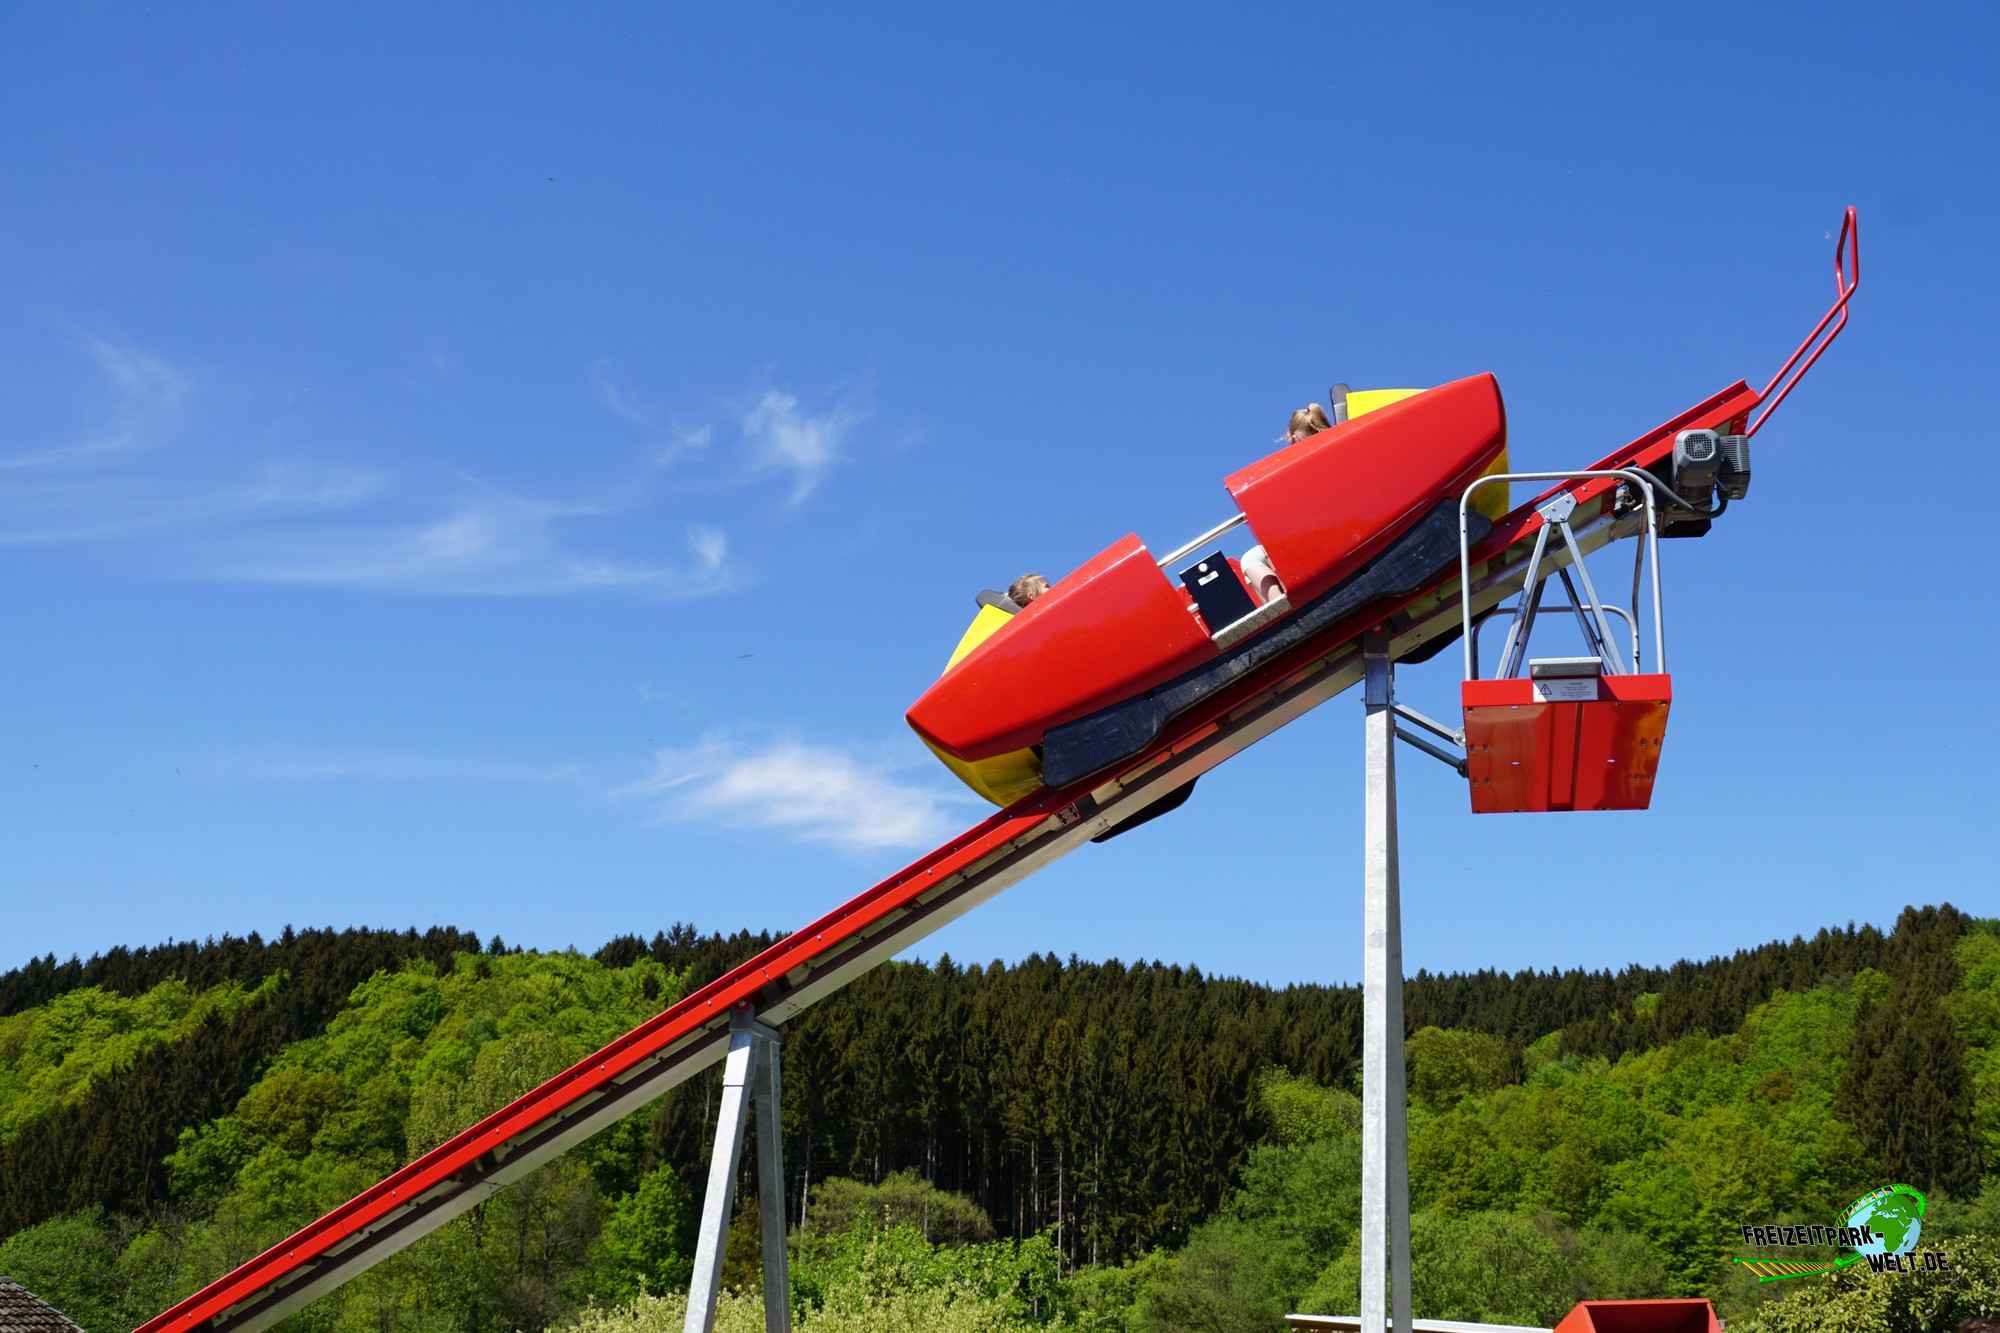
771	1192
1385	1144
749	1072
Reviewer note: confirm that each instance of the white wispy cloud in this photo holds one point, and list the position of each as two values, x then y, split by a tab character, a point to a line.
291	485
145	405
391	766
91	489
494	545
638	410
686	440
294	520
809	792
710	547
782	439
627	404
107	507
777	437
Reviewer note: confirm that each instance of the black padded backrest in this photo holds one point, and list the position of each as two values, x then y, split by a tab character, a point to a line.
999	601
1217	591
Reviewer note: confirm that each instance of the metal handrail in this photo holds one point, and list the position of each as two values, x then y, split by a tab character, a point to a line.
1480	621
1640	480
1204	539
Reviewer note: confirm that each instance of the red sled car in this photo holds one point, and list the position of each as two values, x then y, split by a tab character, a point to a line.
1089	672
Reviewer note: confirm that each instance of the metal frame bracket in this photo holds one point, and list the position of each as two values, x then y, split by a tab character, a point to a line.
1455	762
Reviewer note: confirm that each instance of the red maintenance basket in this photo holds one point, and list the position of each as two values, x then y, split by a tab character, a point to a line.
1564	739
1568	733
1584	733
1674	1316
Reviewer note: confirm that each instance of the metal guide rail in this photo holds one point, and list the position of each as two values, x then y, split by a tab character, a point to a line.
903	909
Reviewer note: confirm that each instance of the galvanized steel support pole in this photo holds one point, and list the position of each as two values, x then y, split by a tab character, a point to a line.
749	1072
771	1192
1385	1143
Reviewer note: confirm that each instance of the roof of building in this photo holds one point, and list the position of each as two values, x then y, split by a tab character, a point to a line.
21	1311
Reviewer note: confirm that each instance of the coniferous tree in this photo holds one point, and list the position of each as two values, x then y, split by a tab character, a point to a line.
1905	1088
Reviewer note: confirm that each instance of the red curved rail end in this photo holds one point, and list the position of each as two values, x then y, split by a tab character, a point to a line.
1846	278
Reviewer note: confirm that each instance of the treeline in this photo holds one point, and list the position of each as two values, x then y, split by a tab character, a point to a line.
108	1148
246	959
1113	1102
1108	1101
1594	1009
1598	1012
1102	1112
1647	1007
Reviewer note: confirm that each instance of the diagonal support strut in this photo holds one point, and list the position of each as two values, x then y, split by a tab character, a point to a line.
750	1073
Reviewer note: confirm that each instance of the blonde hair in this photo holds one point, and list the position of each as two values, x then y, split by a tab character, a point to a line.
1308	420
1026	589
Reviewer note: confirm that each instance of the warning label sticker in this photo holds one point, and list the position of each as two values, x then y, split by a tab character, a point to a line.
1559	691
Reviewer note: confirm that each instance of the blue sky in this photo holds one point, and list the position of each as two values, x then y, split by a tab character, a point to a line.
513	470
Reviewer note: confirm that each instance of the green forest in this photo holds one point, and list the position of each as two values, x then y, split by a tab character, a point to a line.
1050	1143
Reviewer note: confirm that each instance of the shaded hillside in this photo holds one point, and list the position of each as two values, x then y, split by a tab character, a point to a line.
106	1145
1117	1111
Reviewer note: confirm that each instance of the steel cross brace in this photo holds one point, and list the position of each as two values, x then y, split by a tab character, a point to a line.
1455	762
749	1073
1596	629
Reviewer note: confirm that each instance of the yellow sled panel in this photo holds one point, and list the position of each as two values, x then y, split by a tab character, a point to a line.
1005	778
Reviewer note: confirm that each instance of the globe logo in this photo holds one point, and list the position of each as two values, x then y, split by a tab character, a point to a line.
1881	1229
1894	1213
